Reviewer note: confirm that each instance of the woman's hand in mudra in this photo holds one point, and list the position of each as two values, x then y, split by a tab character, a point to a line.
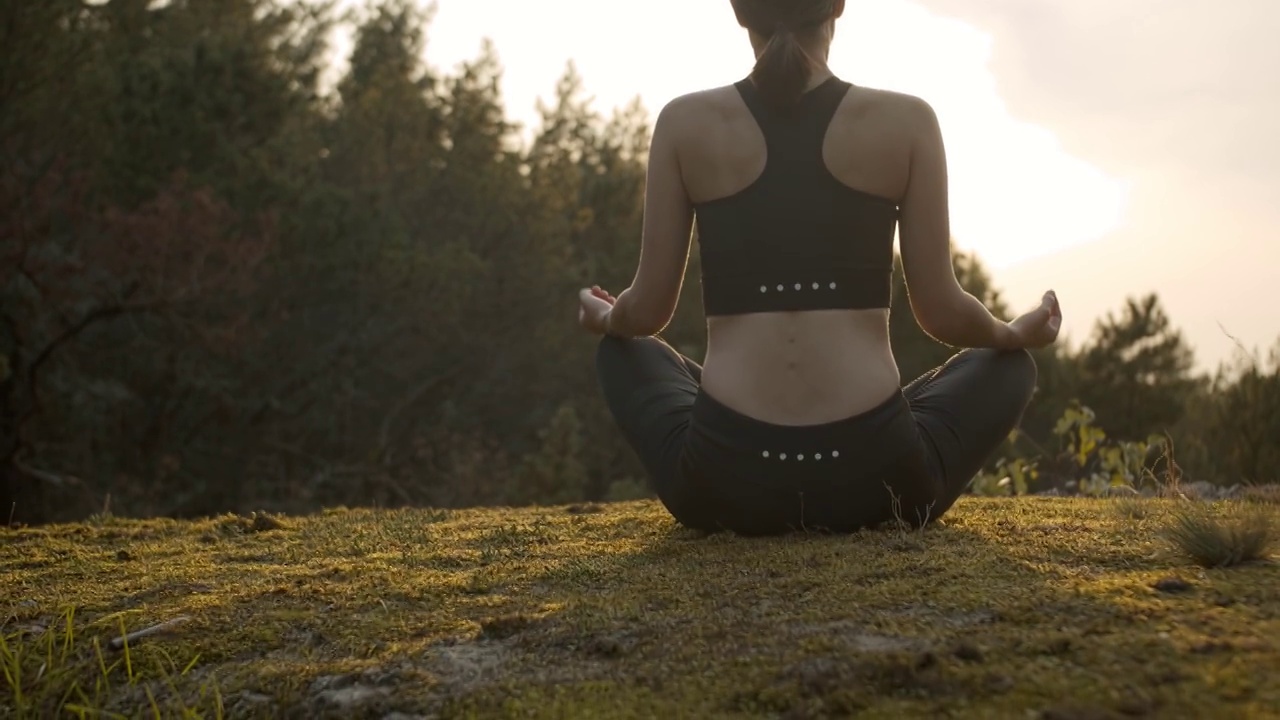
594	305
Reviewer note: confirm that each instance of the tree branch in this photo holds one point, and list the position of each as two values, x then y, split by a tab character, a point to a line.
90	319
66	336
44	475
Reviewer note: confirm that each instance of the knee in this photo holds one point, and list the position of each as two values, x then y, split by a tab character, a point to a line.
1020	372
1014	370
613	353
608	348
1021	368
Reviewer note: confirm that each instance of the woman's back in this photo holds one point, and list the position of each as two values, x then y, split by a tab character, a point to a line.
796	418
809	366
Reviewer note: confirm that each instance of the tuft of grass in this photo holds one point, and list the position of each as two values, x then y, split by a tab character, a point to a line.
63	669
1133	507
1217	537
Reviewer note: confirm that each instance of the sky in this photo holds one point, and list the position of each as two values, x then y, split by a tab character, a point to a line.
1102	149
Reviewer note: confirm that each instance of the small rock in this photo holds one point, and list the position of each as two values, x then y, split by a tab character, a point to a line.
1000	683
968	652
1210	647
247	703
1058	646
925	660
1136	706
1223	601
331	682
607	646
123	556
1172	585
351	696
264	522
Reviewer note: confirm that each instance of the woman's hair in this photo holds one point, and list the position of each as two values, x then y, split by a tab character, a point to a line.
783	69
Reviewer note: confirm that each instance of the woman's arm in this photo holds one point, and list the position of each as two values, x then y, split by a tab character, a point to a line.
647	306
943	308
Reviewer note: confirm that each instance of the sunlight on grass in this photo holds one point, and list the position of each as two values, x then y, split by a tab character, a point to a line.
1005	608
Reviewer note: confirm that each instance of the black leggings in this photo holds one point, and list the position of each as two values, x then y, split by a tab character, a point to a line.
908	458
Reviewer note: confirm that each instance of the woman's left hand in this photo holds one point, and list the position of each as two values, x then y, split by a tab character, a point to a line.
594	305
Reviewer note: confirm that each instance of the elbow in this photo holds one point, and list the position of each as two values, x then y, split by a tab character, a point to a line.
644	319
633	318
942	331
940	321
646	326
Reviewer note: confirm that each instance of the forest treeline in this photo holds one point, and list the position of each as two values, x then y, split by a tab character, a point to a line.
224	287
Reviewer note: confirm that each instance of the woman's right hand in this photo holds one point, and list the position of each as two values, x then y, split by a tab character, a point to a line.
1038	328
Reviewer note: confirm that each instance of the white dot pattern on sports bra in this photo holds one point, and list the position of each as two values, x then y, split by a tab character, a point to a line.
799	457
799	286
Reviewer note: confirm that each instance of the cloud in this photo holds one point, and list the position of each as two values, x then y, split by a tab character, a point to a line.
1179	98
1186	85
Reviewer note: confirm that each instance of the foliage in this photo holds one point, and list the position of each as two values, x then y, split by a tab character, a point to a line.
1008	477
554	473
1102	463
1245	421
1087	462
1136	370
224	286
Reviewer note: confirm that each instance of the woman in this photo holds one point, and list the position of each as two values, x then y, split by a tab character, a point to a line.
797	419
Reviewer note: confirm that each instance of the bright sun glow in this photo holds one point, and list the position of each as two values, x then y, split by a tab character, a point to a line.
1015	193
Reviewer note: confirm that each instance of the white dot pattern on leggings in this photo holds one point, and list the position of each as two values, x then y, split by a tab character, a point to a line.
799	456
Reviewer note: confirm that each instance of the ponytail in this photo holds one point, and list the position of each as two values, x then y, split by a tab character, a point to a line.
783	69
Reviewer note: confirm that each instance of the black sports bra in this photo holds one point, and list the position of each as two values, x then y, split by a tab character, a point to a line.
797	238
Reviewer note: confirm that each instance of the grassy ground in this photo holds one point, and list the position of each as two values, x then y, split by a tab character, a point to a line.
1037	607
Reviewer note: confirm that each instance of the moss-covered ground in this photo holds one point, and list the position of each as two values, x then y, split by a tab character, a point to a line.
1026	608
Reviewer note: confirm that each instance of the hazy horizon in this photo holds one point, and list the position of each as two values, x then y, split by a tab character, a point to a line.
1101	150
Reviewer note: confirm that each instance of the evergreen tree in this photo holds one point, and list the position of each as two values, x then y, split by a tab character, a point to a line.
1135	371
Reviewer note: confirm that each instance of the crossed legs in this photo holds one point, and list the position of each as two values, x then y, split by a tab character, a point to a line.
963	410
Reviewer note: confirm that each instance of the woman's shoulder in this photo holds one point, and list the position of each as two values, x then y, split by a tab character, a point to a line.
709	100
726	99
689	115
900	105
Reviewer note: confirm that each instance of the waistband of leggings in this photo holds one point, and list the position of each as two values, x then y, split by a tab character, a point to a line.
861	431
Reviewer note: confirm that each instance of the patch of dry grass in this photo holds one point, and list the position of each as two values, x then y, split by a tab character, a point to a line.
1009	608
1262	494
1134	507
1222	534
